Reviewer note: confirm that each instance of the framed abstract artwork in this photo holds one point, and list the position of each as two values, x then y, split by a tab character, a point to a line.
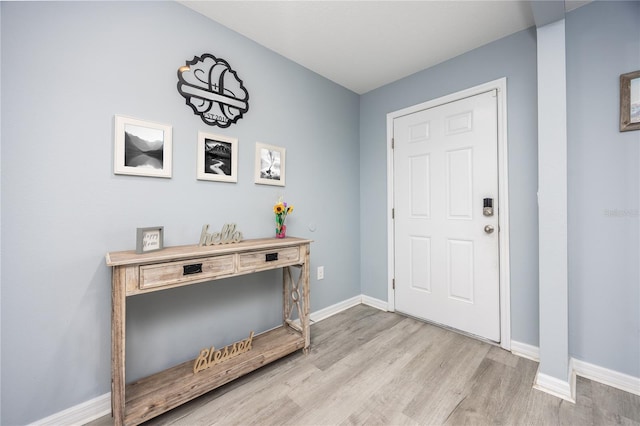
270	164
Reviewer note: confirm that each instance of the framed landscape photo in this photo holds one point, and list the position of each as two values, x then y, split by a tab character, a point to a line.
142	148
217	158
149	239
630	101
270	164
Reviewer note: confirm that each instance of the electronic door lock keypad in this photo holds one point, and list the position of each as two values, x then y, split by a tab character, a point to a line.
487	208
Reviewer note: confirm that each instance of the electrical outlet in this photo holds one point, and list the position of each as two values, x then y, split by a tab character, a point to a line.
320	272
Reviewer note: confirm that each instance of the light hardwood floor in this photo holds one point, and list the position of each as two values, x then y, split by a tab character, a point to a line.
368	367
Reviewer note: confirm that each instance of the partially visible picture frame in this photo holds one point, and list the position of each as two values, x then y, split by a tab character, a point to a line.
630	101
217	158
149	239
142	148
270	164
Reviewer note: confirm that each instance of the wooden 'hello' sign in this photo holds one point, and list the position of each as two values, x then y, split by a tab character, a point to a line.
227	235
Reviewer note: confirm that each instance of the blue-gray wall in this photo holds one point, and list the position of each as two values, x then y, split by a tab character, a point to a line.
67	68
513	57
603	41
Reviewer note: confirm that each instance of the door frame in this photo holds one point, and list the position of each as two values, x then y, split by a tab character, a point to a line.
500	85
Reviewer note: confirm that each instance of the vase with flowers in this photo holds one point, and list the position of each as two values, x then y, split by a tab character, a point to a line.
281	210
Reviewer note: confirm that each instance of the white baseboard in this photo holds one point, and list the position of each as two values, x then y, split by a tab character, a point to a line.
334	309
607	377
565	389
346	304
80	414
525	350
375	303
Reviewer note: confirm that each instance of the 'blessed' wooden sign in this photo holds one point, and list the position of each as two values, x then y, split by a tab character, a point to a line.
209	356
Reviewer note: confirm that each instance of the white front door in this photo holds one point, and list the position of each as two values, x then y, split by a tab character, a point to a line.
445	163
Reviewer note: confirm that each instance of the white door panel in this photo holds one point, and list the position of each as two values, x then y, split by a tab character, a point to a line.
446	265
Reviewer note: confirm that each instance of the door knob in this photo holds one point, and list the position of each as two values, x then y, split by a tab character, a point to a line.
488	229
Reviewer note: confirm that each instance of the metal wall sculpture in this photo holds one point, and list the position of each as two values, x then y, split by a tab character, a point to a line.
213	90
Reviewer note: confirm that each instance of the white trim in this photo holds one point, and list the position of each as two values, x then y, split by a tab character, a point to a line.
503	196
525	350
335	309
391	294
503	216
607	377
79	414
557	387
374	303
346	304
603	375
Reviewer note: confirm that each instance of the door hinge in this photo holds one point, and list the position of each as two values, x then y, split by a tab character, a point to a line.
393	283
393	143
393	213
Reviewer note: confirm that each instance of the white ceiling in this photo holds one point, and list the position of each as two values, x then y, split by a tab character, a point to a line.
363	45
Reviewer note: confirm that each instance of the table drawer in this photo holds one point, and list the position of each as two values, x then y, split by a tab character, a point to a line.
271	258
166	274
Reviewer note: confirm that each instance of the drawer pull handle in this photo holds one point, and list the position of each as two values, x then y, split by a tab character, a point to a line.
196	268
270	257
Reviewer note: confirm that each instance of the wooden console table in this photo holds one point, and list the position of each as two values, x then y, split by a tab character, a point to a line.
134	274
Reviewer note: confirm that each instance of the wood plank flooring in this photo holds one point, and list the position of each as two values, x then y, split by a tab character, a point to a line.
368	367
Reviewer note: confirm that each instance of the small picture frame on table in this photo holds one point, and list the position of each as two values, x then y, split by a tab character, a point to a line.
270	164
630	101
149	239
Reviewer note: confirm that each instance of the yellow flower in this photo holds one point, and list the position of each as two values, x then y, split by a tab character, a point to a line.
278	208
289	209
